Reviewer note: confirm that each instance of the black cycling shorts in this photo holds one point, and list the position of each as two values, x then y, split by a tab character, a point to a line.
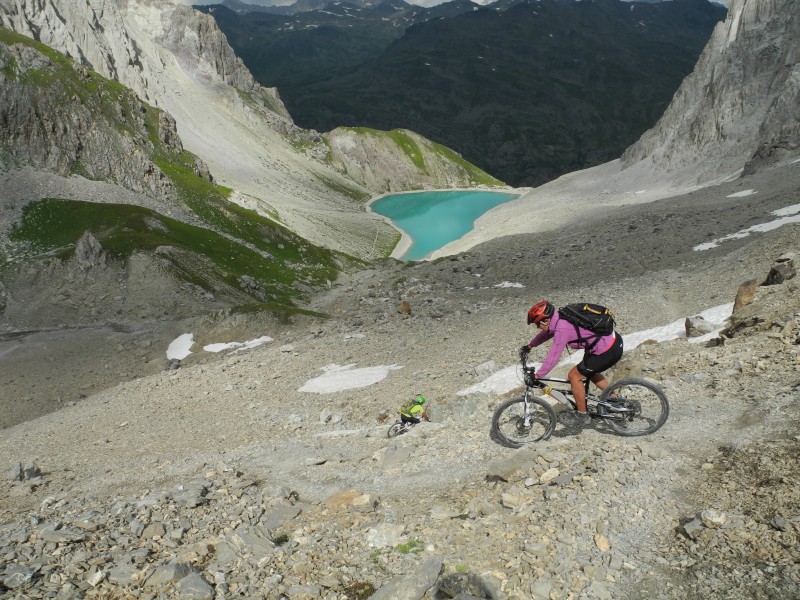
407	419
592	364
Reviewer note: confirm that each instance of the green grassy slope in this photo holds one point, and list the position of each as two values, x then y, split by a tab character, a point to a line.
217	243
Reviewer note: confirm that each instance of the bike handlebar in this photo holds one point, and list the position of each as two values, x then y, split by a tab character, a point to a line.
523	357
530	372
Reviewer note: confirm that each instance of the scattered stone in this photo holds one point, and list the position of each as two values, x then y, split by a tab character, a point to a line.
745	294
194	587
385	535
713	519
549	476
412	586
784	269
696	326
779	523
601	542
169	573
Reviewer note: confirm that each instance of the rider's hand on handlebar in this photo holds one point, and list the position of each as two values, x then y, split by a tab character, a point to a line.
524	351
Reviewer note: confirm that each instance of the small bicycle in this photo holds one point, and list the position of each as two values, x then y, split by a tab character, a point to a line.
628	406
400	428
408	412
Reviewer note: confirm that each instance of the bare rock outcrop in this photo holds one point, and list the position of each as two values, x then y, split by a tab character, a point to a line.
740	103
84	126
88	252
768	306
99	38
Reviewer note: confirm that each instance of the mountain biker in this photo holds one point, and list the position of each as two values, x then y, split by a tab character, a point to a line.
600	353
414	410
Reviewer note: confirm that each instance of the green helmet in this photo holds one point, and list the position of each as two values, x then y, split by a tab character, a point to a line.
420	399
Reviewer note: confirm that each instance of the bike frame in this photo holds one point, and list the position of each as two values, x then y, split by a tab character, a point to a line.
562	394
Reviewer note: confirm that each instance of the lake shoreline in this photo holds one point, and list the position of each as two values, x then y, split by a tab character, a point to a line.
406	240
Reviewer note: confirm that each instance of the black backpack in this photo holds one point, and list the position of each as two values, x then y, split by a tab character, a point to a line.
594	317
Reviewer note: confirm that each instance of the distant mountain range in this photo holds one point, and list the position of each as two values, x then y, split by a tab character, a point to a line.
301	48
527	90
313	5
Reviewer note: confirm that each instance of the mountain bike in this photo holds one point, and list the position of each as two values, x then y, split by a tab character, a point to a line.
629	406
399	428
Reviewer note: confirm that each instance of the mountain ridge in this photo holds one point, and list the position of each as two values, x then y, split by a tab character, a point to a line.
108	221
175	220
661	171
735	121
526	90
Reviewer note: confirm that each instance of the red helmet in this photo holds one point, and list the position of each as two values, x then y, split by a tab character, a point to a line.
539	311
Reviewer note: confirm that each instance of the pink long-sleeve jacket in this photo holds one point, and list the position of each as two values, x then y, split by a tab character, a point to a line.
563	334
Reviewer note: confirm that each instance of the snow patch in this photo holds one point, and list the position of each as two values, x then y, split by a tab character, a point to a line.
787	215
742	194
337	378
236	346
788	211
179	347
508	284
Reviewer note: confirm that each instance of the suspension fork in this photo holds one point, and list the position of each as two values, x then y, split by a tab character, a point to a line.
526	413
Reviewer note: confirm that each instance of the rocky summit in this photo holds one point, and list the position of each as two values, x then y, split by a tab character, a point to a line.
237	474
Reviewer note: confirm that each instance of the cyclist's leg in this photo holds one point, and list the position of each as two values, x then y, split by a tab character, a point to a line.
600	381
576	382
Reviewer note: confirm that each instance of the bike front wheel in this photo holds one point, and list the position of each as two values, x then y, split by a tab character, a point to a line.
396	429
511	429
633	407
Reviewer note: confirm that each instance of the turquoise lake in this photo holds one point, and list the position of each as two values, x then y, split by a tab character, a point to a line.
434	219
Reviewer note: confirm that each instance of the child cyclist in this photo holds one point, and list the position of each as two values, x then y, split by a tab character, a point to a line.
414	411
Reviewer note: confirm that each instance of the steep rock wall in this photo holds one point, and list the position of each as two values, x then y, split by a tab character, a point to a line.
100	36
741	98
176	59
81	125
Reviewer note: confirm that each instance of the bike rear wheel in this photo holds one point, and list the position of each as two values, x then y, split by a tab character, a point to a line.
508	422
633	407
396	429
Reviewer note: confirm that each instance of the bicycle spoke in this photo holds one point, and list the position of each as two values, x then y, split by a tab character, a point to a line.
513	429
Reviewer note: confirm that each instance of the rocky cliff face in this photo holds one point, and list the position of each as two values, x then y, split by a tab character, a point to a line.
63	118
740	103
99	37
736	113
139	233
